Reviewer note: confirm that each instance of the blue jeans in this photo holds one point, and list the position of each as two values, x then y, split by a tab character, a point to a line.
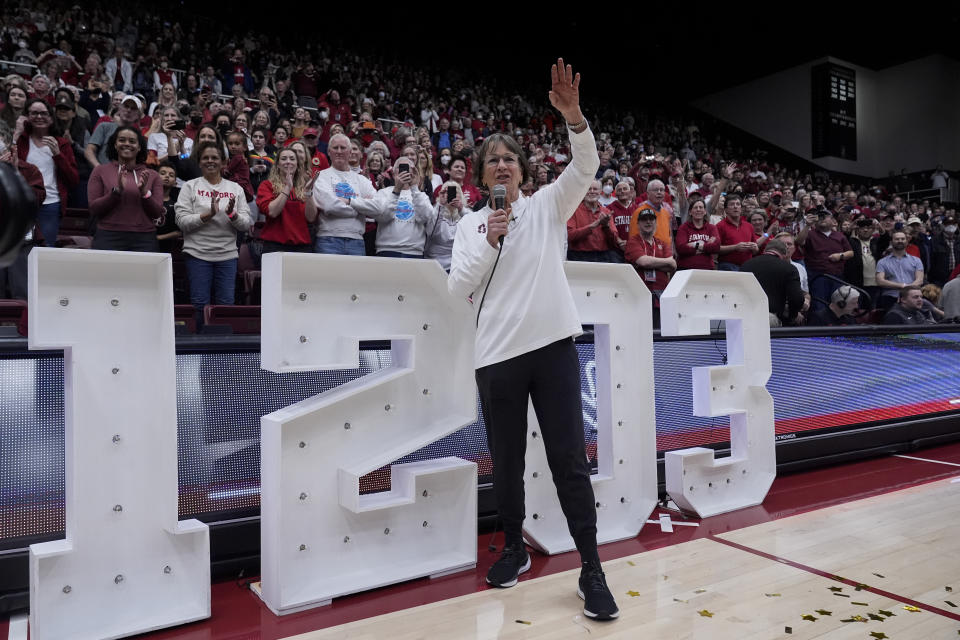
727	266
48	221
820	287
204	275
341	246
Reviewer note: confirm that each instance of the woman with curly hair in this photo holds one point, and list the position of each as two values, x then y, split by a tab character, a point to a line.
125	195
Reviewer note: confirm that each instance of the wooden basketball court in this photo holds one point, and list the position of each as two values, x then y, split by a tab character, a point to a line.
881	567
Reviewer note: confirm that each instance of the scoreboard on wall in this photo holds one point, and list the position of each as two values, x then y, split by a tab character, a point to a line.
833	111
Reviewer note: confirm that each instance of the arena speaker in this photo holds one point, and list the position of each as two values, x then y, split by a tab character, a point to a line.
320	537
618	305
698	482
127	565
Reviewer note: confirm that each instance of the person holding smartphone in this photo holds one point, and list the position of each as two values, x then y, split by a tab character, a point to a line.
167	123
509	261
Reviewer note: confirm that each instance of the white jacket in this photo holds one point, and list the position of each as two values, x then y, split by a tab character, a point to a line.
528	304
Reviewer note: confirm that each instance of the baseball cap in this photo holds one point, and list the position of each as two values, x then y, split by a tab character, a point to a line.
134	99
310	131
864	222
914	220
63	100
647	213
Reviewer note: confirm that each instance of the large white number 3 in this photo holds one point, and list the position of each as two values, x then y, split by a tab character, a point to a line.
126	566
697	481
320	537
615	301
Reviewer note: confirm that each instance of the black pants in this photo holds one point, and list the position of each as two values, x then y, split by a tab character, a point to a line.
551	377
125	240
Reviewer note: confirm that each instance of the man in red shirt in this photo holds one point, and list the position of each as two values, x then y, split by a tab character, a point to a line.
825	250
622	208
652	259
656	191
318	160
591	234
737	240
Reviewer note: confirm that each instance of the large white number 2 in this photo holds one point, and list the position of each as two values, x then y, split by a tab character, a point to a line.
126	566
320	537
697	481
615	301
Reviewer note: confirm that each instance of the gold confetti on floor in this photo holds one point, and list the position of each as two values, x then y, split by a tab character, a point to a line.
631	563
874	616
522	622
950	589
860	604
879	635
633	594
699	590
950	603
861	586
842	595
683	601
879	576
889	614
808	617
705	613
772	595
835	589
911	609
824	612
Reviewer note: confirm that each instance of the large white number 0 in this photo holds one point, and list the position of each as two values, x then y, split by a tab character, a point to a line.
697	481
320	537
615	301
126	566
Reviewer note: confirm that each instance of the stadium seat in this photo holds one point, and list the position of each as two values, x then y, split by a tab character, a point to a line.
13	313
242	319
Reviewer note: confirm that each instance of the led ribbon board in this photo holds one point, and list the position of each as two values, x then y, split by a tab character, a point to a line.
127	565
320	538
698	482
617	303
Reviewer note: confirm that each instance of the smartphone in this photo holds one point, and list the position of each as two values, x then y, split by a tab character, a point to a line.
179	125
404	167
451	193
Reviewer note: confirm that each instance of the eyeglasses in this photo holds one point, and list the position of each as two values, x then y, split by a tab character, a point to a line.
38	114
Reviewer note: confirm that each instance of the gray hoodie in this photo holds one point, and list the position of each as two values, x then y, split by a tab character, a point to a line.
403	220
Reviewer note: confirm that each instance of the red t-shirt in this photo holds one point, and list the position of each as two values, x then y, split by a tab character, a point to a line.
733	234
290	227
582	237
621	217
655	279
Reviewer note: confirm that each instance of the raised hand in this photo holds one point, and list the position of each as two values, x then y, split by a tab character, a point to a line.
565	91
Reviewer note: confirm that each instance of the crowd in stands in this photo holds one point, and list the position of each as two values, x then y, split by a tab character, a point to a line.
219	147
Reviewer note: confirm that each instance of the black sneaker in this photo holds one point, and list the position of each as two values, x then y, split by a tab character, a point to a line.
513	561
598	602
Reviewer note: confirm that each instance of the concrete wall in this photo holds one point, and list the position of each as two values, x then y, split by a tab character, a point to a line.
908	116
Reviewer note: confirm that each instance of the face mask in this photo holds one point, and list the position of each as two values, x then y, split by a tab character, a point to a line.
382	95
444	160
324	114
607	189
950	228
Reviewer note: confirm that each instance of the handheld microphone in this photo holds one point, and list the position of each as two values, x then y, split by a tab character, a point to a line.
499	201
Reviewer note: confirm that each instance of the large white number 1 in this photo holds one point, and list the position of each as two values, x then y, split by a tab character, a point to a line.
320	537
126	566
697	481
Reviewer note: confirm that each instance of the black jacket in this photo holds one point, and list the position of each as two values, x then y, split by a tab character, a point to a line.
780	280
939	256
853	268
